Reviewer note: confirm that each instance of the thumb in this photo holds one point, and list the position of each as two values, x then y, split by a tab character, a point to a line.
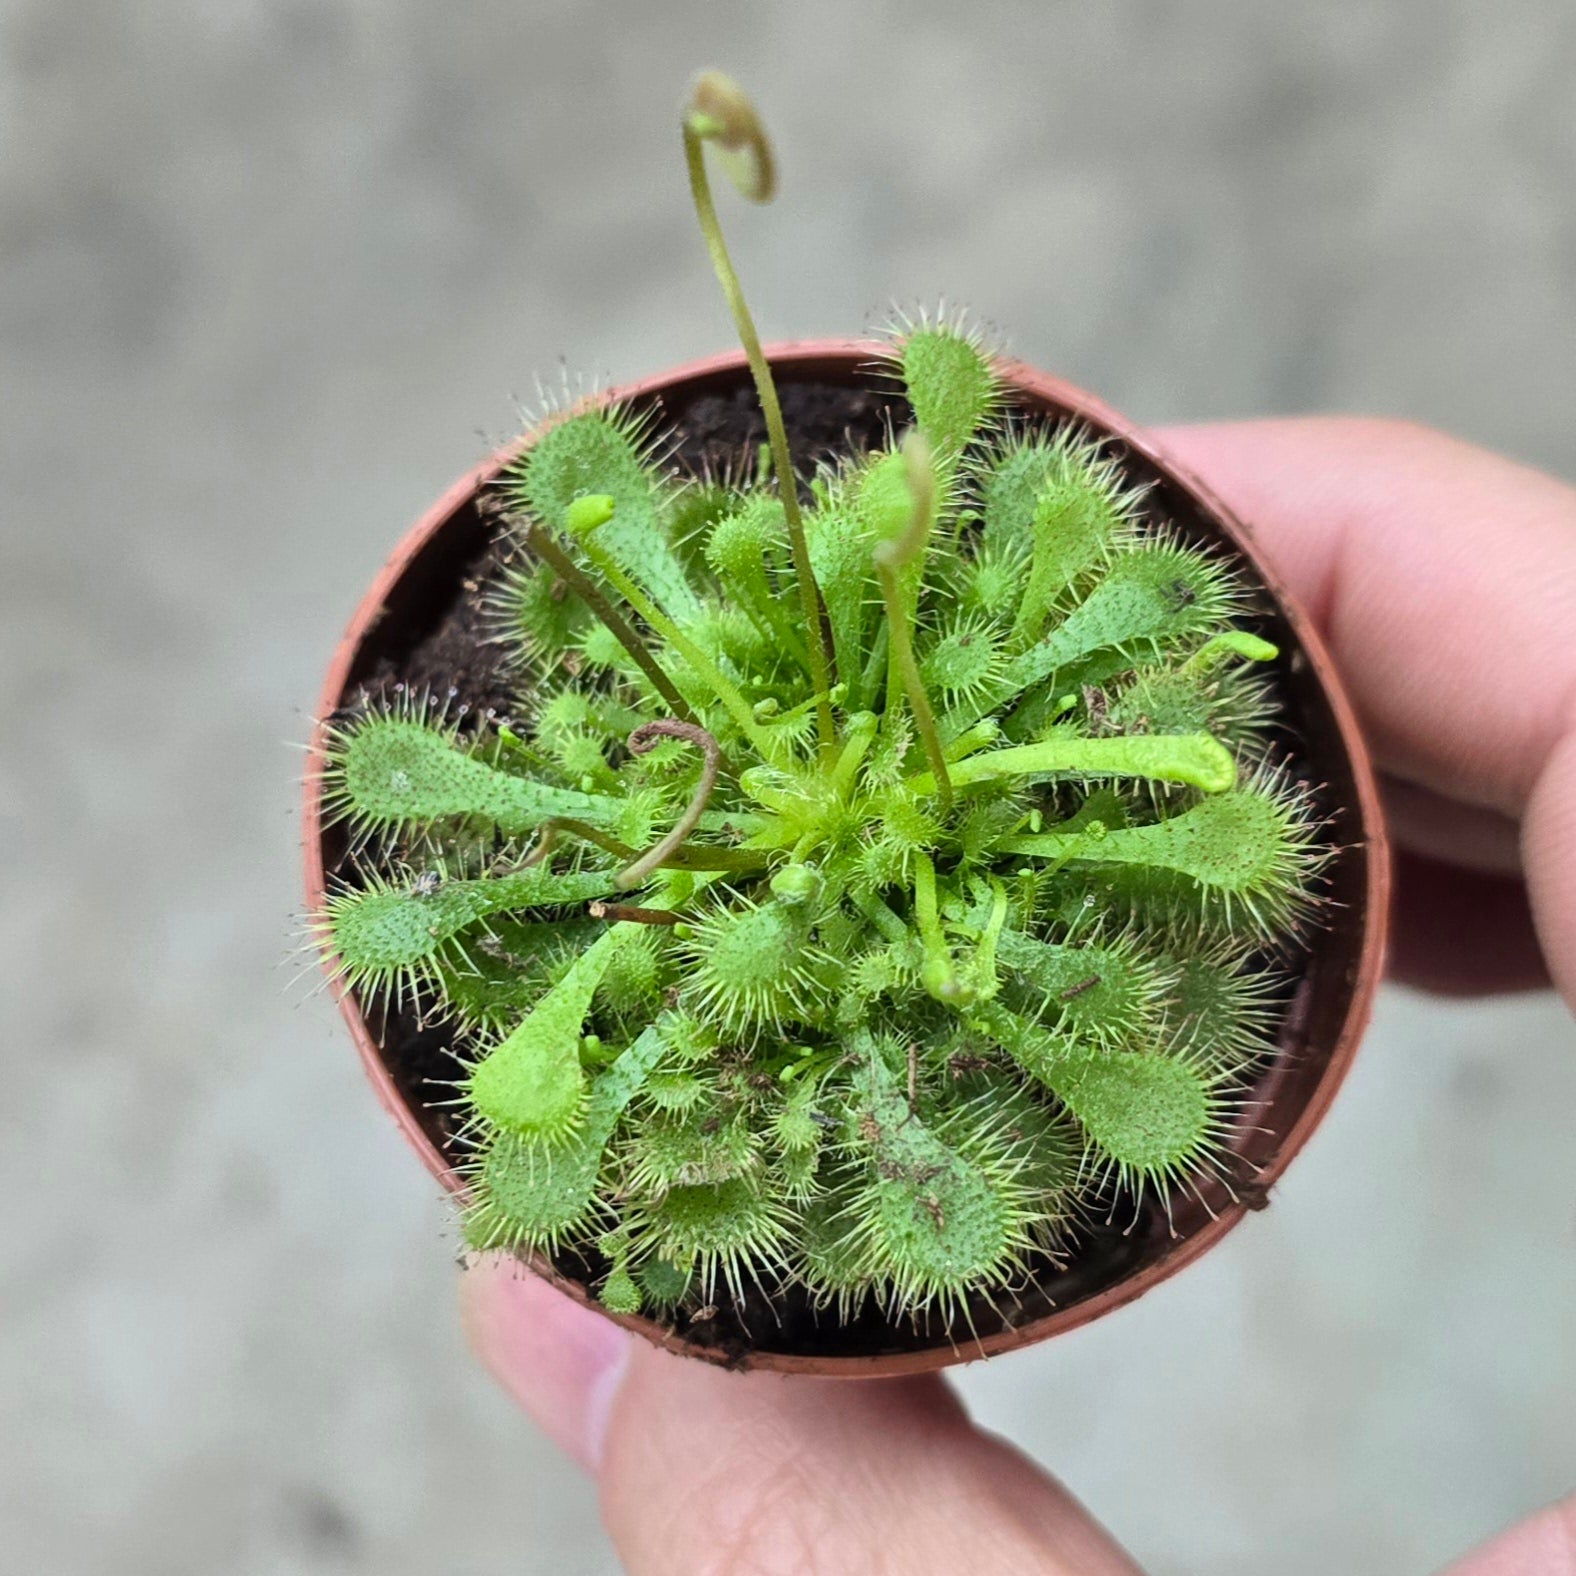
702	1470
1545	1545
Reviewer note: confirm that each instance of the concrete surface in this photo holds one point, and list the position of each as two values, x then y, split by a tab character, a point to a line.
270	274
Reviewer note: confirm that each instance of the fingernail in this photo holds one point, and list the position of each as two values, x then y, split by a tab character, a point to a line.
562	1362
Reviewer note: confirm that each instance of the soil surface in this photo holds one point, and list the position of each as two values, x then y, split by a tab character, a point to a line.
441	646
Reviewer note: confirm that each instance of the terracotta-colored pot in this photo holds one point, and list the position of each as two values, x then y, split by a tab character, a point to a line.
1332	1000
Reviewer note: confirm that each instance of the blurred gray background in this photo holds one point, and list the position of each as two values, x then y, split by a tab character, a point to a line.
273	272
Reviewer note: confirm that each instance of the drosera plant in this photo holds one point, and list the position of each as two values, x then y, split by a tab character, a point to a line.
890	871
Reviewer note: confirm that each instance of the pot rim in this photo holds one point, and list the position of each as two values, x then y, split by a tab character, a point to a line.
1055	391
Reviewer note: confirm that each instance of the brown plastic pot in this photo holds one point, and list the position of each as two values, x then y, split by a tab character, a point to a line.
1332	1000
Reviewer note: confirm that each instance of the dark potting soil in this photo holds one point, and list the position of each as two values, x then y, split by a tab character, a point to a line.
440	645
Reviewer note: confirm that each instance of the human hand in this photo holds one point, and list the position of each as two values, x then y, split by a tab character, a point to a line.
1444	581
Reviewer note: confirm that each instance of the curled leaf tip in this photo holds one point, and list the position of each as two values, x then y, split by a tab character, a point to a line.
642	741
719	110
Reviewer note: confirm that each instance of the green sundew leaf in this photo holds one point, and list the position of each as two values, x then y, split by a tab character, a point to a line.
951	385
620	1293
692	511
882	499
599	647
385	933
1104	805
1031	482
871	504
739	550
599	452
1151	594
989	818
729	1230
1249	849
582	758
664	1282
738	640
1052	1151
540	616
1232	643
752	967
674	1089
496	969
742	542
490	994
1210	691
635	974
1010	487
1074	530
393	772
799	1174
702	1143
1221	1008
1194	759
1103	995
618	1085
926	1220
568	711
794	1124
1067	506
832	1263
1230	705
527	1193
1153	1118
532	1083
991	583
963	661
1015	1130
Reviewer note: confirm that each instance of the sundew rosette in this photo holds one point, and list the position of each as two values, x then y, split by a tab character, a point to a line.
887	872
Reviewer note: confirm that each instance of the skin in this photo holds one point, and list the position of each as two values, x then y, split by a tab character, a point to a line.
1444	580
